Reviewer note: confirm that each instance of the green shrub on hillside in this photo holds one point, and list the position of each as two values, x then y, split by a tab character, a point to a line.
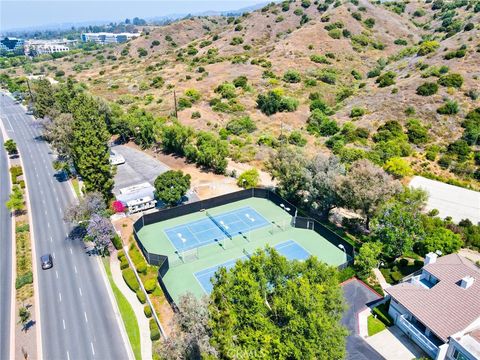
141	296
450	107
130	279
386	79
427	47
150	285
427	89
292	76
451	80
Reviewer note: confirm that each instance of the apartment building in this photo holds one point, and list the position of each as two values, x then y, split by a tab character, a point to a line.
108	38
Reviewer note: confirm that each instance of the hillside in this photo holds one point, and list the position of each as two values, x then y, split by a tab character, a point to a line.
359	64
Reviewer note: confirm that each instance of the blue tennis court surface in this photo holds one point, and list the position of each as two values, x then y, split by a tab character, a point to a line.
207	231
290	249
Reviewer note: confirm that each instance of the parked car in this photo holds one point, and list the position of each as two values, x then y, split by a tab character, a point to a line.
47	261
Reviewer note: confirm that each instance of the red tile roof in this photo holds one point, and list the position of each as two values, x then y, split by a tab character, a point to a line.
446	308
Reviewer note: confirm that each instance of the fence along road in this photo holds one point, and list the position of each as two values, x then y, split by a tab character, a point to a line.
77	317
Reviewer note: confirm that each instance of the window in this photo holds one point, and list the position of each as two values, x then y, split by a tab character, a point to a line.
458	355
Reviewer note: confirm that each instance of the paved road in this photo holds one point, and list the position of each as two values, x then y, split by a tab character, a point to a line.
77	318
5	256
358	297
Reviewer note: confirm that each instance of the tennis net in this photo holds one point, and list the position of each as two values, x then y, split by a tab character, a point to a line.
220	226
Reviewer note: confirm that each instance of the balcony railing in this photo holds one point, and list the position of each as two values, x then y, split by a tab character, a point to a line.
416	335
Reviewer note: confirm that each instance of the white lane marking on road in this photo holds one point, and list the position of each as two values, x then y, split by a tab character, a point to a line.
53	254
86	319
60	296
75	268
48	224
93	350
68	356
80	291
43	201
56	273
64	328
58	201
51	239
71	252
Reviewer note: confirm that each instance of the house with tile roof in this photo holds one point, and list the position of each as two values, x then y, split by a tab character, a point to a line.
439	307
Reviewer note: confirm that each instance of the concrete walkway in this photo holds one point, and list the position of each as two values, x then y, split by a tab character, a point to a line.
143	323
381	280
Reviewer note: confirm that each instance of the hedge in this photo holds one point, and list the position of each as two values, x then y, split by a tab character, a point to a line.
117	242
142	267
123	263
147	311
154	332
130	279
120	255
141	296
150	285
24	280
381	311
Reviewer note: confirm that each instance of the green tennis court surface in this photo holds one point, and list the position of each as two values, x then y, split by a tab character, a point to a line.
190	267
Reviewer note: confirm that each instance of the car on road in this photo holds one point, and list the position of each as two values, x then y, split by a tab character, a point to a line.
47	261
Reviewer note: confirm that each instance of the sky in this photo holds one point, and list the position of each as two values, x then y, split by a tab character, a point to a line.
30	13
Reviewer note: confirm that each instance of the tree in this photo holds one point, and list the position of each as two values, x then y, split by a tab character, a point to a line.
398	226
366	187
190	337
171	186
100	231
272	308
90	150
176	137
248	179
24	316
15	202
44	97
441	239
398	167
322	182
367	258
209	151
10	147
288	166
91	203
59	132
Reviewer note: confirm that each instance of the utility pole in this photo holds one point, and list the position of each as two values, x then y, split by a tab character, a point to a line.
175	102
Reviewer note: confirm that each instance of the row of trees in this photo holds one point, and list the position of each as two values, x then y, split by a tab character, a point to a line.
76	125
392	219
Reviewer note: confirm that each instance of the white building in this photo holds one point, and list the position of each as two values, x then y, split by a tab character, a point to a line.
40	47
439	308
138	197
108	38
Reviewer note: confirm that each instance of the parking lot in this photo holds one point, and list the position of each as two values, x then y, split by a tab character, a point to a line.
138	168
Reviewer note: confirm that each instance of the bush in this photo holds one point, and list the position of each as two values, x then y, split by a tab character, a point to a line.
236	40
123	263
141	296
150	285
416	132
249	179
120	254
292	76
398	167
382	314
451	80
141	267
147	311
449	108
154	332
427	47
24	279
427	89
130	279
319	59
386	79
117	242
357	112
241	125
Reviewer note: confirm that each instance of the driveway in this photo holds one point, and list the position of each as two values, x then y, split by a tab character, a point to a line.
138	168
393	344
358	296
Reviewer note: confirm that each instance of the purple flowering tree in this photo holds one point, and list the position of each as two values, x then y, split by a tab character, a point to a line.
100	231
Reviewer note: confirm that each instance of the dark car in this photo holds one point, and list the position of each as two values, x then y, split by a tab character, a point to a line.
46	261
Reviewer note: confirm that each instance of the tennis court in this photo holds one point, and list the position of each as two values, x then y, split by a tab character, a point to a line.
194	261
290	249
214	228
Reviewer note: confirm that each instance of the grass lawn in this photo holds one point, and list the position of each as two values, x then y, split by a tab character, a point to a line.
128	316
76	187
374	325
